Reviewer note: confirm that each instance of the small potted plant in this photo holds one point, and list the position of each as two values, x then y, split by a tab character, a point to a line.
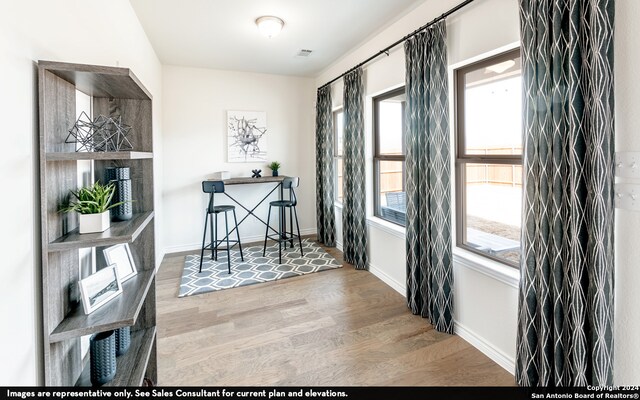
92	203
274	167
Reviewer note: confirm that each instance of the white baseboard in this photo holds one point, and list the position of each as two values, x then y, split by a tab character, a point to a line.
395	285
487	349
245	239
476	341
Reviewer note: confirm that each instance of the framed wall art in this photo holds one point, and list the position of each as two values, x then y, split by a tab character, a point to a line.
247	136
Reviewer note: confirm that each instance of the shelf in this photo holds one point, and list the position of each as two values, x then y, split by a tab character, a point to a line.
98	155
111	90
99	81
121	311
119	232
131	366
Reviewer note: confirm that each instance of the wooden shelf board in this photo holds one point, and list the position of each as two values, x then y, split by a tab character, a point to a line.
99	81
102	155
121	311
131	366
119	232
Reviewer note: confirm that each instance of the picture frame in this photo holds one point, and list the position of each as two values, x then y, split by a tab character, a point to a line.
120	256
99	288
246	136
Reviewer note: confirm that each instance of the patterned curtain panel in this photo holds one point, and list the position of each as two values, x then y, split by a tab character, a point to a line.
565	319
324	168
428	178
354	201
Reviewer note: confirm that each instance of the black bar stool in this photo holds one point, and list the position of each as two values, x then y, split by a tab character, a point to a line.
282	205
213	187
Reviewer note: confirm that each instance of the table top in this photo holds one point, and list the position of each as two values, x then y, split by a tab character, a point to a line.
249	180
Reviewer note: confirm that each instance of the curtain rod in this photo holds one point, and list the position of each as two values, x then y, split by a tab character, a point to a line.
412	34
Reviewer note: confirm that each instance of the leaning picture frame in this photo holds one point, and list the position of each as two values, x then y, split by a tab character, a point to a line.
120	256
99	288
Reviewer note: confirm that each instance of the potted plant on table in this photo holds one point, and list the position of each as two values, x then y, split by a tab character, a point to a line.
93	205
274	167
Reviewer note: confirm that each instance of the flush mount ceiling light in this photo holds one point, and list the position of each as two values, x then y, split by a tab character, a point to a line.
269	26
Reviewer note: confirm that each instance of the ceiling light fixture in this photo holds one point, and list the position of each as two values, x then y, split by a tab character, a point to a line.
269	26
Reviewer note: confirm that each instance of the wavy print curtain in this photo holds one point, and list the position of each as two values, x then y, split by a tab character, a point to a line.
565	319
428	178
324	168
354	200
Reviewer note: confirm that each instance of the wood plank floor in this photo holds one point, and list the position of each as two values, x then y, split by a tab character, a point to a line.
333	328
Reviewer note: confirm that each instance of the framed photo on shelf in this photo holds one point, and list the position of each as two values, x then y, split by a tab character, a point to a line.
120	256
98	289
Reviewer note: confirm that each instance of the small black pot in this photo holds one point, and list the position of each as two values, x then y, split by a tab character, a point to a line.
274	173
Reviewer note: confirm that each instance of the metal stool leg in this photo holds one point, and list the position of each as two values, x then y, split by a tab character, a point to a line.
214	235
298	227
204	238
214	247
291	225
280	237
226	223
266	235
238	233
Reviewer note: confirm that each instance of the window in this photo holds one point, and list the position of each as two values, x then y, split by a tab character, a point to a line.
388	161
489	157
338	127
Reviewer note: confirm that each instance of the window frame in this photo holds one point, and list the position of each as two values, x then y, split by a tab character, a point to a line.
377	157
336	156
462	159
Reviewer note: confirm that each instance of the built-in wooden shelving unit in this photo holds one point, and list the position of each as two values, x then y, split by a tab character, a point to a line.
64	320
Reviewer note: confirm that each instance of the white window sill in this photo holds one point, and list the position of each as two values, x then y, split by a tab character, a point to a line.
389	227
493	269
486	266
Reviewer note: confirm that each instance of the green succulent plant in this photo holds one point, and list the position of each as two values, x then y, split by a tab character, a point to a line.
93	199
274	166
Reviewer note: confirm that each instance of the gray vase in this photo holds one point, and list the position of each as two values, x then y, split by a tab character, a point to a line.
123	340
121	177
102	356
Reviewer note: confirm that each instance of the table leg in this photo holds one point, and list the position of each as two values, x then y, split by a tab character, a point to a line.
251	211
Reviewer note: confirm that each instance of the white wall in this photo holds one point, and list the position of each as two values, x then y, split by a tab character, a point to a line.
486	298
194	138
104	32
627	300
485	307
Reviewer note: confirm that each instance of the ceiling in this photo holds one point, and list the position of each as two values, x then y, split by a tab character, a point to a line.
221	34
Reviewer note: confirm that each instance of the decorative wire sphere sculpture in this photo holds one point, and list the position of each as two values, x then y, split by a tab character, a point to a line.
102	134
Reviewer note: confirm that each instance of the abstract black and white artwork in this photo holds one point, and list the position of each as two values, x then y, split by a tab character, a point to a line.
247	136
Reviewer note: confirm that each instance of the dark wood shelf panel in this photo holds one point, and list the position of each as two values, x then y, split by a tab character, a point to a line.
131	366
102	155
119	232
121	311
99	81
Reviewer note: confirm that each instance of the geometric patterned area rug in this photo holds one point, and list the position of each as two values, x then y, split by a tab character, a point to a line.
254	269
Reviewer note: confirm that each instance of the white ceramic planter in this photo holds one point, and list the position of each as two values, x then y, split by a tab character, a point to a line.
91	223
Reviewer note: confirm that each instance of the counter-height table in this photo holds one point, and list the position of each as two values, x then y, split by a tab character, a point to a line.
276	180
